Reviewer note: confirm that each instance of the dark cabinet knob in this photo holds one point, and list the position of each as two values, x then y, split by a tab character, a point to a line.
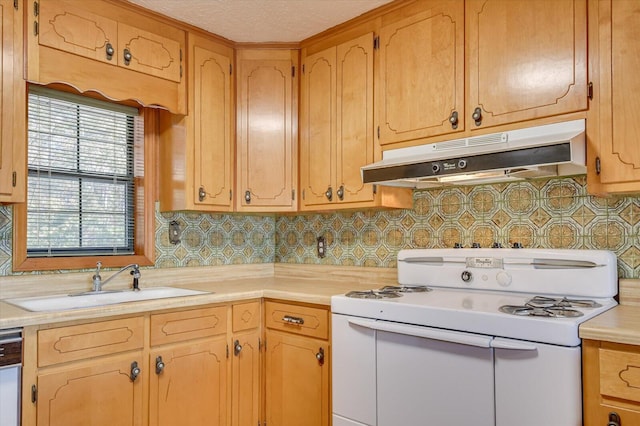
614	419
127	56
202	194
329	194
135	371
159	365
109	50
237	347
477	116
320	356
247	196
453	119
340	192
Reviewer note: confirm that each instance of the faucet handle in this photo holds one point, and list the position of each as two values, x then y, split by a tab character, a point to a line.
135	271
98	266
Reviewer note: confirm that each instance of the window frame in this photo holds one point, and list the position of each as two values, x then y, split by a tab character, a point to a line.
144	219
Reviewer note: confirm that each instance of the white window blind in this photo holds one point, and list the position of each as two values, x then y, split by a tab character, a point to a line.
81	199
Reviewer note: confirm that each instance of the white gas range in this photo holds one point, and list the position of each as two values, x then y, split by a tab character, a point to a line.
470	337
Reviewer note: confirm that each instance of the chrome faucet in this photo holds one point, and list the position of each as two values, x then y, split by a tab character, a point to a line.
97	278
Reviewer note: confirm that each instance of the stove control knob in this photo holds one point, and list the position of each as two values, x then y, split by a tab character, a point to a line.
466	276
503	278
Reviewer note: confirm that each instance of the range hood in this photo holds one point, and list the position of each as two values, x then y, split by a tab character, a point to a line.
534	152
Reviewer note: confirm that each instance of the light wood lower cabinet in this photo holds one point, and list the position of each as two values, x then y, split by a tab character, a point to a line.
297	365
611	382
91	374
188	368
197	366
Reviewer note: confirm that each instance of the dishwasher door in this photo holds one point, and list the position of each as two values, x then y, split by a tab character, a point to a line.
10	376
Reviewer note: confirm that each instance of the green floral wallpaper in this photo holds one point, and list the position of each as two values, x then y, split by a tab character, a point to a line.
555	213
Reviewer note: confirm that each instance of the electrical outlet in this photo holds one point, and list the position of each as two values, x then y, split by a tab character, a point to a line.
321	247
174	232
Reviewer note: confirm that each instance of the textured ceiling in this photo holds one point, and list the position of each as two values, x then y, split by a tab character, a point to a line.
262	20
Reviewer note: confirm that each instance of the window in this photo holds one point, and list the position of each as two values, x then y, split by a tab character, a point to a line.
85	189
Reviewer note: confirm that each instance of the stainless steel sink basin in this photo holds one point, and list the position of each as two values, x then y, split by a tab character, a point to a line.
93	299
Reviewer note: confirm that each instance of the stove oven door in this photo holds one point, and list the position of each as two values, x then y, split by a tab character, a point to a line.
537	384
401	374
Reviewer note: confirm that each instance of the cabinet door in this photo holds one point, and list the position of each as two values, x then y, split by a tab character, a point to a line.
12	105
297	380
149	53
101	393
189	389
213	149
245	379
524	61
612	122
65	26
421	76
354	124
318	129
266	154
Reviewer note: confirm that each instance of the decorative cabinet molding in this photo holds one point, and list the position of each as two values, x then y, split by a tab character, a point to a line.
108	48
266	171
13	160
613	157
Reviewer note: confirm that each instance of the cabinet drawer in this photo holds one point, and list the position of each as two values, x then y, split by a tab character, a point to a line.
245	316
190	324
620	374
82	341
302	320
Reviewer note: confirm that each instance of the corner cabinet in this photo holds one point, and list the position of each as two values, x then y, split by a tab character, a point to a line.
267	155
13	156
297	365
337	132
454	68
197	150
613	155
611	384
120	51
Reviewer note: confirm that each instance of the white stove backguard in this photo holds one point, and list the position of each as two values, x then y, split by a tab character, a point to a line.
574	273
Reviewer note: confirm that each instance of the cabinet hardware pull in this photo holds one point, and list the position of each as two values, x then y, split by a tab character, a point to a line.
293	320
237	347
320	356
127	56
109	50
247	196
159	365
201	193
15	4
340	192
598	165
614	419
453	119
477	116
329	194
135	371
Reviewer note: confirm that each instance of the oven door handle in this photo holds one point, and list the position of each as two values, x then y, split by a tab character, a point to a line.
425	332
498	343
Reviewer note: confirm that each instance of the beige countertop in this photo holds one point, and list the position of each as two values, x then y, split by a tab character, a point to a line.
309	284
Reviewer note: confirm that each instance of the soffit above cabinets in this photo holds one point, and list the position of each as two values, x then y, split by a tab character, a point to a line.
262	21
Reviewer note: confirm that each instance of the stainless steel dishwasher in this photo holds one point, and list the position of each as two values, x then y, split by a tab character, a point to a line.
10	376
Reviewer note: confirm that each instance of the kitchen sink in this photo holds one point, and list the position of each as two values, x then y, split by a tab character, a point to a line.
94	299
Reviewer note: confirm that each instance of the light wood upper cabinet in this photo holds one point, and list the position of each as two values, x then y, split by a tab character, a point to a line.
612	124
12	105
337	131
421	79
266	142
525	60
197	150
101	46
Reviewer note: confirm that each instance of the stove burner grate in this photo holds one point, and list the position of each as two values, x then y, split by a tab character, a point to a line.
370	294
537	311
546	302
406	288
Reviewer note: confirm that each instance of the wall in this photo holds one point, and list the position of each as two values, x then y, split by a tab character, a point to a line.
554	213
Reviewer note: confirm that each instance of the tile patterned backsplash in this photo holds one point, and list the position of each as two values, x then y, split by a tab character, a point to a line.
554	213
